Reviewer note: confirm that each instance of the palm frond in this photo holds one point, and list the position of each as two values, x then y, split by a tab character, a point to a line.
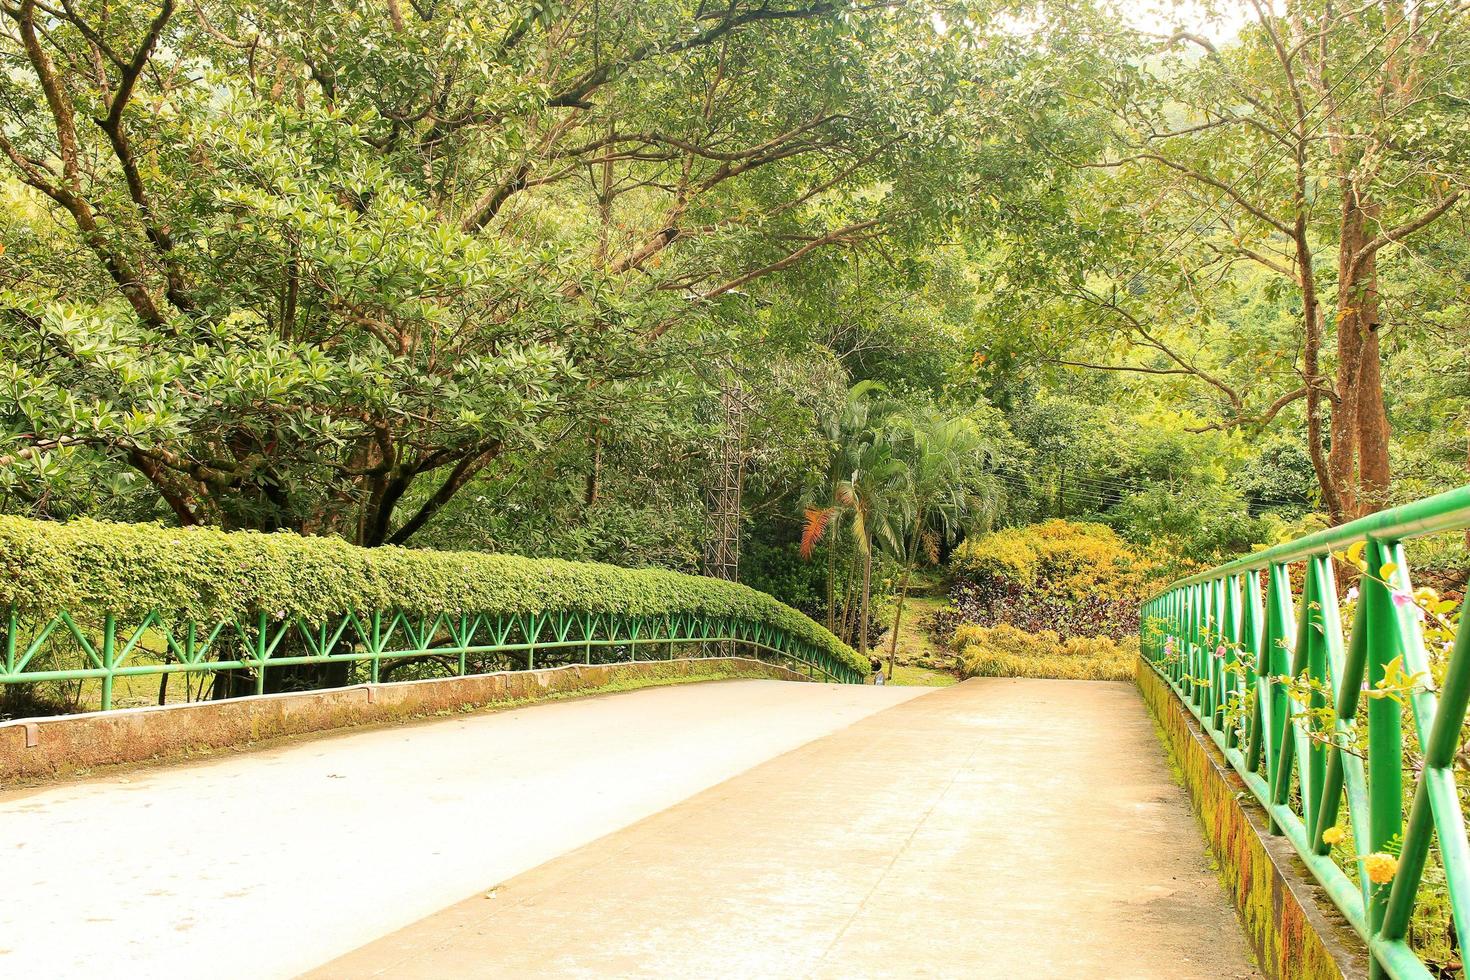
813	527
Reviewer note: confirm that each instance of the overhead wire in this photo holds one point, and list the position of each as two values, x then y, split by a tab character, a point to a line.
1106	497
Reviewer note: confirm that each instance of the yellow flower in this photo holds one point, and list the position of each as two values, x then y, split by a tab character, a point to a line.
1380	867
1333	835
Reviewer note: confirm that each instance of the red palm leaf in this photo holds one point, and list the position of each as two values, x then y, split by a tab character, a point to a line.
814	527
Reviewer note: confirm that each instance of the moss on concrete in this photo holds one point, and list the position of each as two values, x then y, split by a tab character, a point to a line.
1295	935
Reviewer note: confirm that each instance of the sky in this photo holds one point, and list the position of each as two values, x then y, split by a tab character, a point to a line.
1219	21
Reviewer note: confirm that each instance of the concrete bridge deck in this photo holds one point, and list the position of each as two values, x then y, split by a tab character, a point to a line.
1001	828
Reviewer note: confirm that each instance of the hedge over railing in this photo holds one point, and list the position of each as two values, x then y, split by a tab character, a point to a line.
88	566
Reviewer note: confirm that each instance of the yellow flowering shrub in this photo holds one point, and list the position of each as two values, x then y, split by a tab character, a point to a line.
1075	578
1005	651
1070	559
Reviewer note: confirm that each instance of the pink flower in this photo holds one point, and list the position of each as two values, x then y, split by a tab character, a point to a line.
1220	652
1405	600
1352	594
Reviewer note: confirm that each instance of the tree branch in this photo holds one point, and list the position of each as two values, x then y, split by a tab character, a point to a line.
462	473
1407	228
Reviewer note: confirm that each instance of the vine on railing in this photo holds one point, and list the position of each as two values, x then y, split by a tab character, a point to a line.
1338	732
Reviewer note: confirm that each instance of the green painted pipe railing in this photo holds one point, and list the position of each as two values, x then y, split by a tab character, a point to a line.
146	647
1313	717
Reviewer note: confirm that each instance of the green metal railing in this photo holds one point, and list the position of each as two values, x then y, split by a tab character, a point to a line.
1312	719
69	647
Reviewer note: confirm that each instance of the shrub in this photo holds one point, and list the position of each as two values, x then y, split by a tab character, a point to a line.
1073	578
1070	558
780	570
205	574
1005	651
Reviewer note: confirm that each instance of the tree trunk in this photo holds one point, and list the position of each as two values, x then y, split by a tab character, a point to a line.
846	621
903	593
1311	355
862	625
1343	441
831	574
1358	459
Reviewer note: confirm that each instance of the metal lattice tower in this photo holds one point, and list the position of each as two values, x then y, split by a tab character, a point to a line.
722	546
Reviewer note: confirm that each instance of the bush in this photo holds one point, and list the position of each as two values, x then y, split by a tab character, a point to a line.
208	575
780	570
1069	577
1069	558
1004	651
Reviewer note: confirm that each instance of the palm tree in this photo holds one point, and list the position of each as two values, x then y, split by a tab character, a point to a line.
941	459
861	469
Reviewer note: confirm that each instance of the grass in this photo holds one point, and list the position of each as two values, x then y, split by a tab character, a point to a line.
921	659
907	675
1004	651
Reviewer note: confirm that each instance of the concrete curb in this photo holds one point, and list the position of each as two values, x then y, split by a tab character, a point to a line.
38	748
1294	930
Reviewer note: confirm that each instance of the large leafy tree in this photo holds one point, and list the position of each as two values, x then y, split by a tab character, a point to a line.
1245	214
320	266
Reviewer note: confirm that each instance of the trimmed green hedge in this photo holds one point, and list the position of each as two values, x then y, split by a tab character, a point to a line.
206	574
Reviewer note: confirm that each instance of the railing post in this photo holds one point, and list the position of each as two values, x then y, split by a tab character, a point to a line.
1257	676
12	627
1230	640
1385	715
260	645
1318	590
466	634
531	641
109	650
1280	625
1186	643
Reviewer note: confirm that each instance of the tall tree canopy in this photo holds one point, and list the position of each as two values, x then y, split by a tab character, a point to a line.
594	277
1260	216
297	266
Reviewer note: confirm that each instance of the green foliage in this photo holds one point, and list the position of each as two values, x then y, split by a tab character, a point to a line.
1196	172
1194	524
88	567
319	266
1005	651
779	569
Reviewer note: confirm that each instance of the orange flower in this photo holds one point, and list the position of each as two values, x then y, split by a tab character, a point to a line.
1333	835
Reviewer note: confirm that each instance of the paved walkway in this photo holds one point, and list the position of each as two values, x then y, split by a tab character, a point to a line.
1000	829
268	863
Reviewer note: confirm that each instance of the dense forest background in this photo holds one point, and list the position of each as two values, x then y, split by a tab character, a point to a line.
841	283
